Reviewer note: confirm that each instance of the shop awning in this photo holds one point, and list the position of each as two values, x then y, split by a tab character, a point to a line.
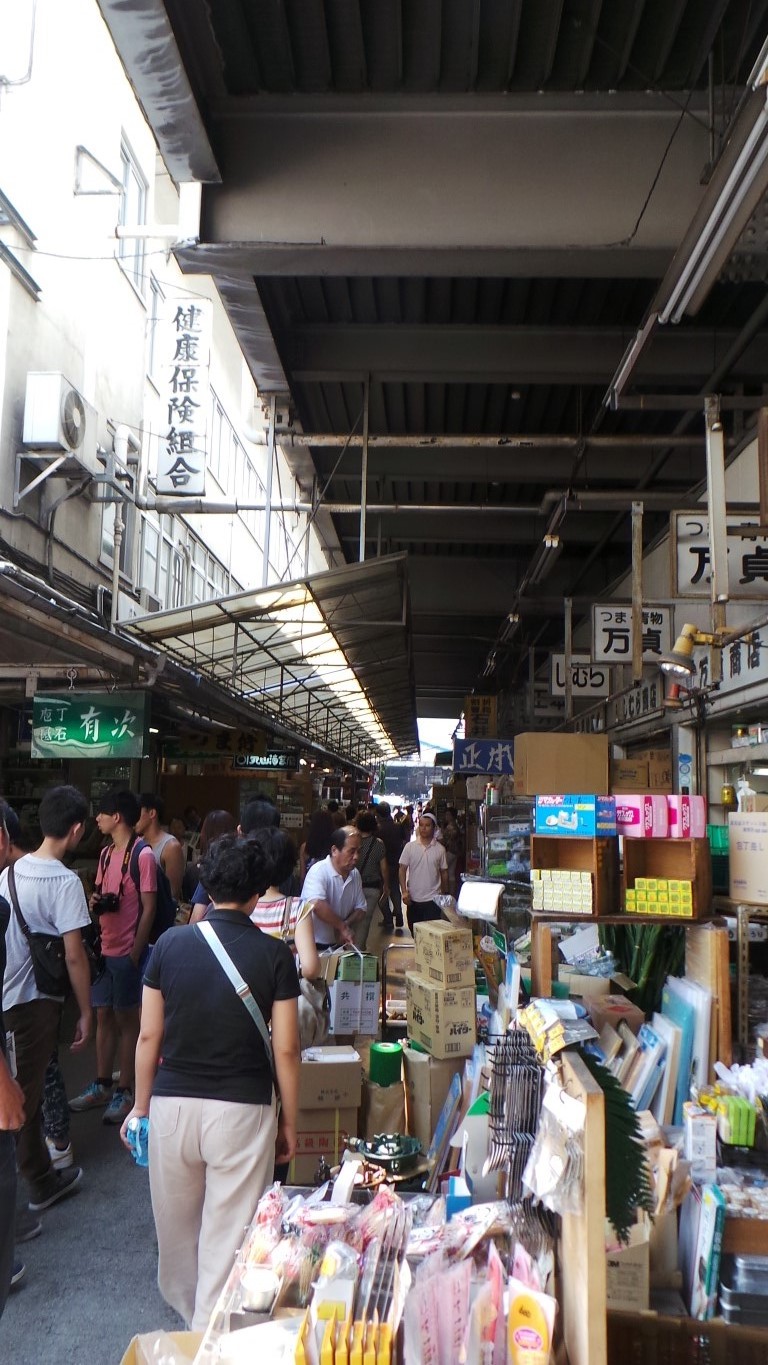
328	656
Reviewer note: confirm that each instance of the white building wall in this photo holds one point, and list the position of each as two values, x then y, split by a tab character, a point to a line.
91	323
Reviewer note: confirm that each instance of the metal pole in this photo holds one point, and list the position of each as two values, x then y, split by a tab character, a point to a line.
270	468
718	546
419	441
364	467
762	463
637	591
117	543
568	605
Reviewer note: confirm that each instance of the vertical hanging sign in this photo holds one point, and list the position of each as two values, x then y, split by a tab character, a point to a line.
186	340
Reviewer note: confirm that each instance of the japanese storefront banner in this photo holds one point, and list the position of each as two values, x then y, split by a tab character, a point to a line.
285	759
479	717
747	557
612	633
587	678
491	756
185	341
88	725
215	743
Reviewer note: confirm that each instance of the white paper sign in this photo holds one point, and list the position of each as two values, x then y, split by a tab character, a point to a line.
185	339
612	633
747	557
587	678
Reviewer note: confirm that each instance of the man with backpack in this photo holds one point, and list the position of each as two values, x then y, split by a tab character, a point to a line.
125	901
167	849
47	900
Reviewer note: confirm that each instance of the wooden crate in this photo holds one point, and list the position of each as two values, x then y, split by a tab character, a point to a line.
679	859
598	856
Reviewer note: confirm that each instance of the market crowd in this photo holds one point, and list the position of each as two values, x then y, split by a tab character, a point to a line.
196	1018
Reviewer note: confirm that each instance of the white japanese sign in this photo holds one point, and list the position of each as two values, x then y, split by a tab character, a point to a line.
185	335
612	633
587	678
747	557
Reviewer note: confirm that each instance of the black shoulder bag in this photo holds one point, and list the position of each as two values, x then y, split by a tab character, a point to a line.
48	953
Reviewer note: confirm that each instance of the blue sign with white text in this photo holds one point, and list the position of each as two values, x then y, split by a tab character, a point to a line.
488	756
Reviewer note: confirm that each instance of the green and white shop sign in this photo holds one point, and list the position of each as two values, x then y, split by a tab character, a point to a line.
88	725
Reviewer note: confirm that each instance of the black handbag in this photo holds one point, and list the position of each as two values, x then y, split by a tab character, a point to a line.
48	954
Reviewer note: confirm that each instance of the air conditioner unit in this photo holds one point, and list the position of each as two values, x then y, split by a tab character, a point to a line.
58	419
148	601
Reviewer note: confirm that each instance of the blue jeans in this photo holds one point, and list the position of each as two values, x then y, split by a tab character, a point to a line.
7	1212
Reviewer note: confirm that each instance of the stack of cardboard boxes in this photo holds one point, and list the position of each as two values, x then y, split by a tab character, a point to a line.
330	1082
441	1015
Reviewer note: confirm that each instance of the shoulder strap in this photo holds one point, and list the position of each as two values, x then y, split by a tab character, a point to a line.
137	847
242	989
366	859
15	902
285	931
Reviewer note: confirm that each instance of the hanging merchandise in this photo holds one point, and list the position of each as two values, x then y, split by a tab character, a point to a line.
555	1170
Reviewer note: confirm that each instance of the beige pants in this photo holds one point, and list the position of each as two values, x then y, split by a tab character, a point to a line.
209	1163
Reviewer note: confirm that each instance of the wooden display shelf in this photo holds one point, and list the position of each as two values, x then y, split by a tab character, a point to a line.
599	856
678	859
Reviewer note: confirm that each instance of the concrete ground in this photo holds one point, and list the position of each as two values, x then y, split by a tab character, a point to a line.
91	1281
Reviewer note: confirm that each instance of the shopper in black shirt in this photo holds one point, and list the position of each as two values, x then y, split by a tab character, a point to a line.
214	1132
11	1110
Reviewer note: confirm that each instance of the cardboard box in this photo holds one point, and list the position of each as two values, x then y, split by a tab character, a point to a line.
748	857
578	814
642	816
186	1344
427	1082
320	1132
547	764
355	1008
442	1020
659	768
611	1009
628	775
325	1082
627	1273
345	965
444	954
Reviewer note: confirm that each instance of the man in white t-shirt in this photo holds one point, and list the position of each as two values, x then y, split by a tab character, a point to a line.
52	901
423	872
335	887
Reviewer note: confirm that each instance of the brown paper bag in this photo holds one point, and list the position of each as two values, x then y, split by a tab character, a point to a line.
383	1109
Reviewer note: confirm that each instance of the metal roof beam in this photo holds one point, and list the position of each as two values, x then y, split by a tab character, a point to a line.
519	355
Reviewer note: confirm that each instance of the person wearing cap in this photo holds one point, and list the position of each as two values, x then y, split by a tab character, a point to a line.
423	872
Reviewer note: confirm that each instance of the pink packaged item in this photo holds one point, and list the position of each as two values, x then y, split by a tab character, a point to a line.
687	817
642	817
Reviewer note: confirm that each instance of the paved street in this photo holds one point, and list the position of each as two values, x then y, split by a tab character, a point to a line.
91	1275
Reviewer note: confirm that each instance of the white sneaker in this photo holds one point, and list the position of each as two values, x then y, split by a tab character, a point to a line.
60	1157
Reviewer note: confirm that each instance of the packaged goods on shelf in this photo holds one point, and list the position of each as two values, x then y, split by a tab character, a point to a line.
687	817
579	815
642	816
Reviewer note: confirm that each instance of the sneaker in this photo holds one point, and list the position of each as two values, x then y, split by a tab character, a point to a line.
119	1107
27	1227
18	1273
61	1157
94	1096
54	1186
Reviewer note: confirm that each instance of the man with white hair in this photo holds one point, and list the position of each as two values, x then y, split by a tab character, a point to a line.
423	872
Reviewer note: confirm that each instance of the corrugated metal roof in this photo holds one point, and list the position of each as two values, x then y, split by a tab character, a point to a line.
328	656
485	46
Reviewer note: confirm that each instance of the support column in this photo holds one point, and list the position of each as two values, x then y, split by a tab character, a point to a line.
364	467
637	591
270	472
718	548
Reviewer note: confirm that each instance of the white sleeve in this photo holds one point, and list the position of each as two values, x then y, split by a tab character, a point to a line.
71	911
314	887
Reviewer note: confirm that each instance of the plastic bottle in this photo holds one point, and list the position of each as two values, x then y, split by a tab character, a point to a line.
745	795
138	1138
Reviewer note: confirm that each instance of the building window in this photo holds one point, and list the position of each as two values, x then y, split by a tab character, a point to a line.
162	566
133	213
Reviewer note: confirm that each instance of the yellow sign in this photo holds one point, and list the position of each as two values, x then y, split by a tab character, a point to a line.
480	717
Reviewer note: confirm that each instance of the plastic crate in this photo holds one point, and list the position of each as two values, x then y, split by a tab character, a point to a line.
648	1339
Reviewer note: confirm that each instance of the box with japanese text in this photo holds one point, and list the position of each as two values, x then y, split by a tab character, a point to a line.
444	953
628	775
582	816
748	857
355	1008
320	1133
330	1082
642	816
687	817
443	1020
